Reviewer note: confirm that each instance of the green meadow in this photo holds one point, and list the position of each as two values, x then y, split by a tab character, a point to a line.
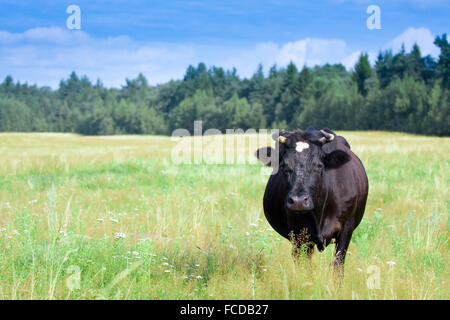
114	217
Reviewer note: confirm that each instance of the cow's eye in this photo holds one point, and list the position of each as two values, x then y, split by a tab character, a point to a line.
318	167
285	168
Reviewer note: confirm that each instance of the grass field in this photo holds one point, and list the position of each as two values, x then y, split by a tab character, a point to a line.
114	217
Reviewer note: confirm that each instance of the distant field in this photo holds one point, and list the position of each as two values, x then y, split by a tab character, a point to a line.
114	217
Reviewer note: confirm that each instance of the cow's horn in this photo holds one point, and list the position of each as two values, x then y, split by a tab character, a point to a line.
328	137
277	135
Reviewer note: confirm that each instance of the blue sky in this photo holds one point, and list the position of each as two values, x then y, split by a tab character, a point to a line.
119	39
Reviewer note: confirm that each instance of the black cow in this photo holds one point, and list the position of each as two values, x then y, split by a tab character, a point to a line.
317	191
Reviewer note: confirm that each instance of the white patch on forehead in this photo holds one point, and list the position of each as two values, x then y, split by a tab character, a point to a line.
300	146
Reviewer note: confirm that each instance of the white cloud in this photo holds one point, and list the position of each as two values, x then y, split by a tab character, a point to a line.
422	4
311	52
46	55
422	36
350	61
44	35
308	51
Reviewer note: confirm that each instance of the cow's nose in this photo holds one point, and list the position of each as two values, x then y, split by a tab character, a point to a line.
299	203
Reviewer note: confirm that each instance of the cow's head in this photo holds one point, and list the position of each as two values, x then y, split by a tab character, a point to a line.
303	163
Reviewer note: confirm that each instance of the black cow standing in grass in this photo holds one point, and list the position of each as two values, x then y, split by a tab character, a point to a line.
317	191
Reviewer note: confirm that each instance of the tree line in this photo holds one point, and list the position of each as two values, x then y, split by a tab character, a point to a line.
404	91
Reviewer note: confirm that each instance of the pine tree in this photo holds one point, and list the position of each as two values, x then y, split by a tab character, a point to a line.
362	73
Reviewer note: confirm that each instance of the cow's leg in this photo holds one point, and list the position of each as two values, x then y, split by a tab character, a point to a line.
342	243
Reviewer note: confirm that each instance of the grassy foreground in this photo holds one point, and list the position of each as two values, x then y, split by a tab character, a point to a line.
116	218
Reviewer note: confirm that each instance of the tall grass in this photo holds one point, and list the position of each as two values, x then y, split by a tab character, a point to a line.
115	218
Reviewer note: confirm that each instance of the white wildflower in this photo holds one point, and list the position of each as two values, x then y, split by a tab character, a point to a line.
120	235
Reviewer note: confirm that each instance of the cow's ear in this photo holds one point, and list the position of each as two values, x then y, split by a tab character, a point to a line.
336	159
264	155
